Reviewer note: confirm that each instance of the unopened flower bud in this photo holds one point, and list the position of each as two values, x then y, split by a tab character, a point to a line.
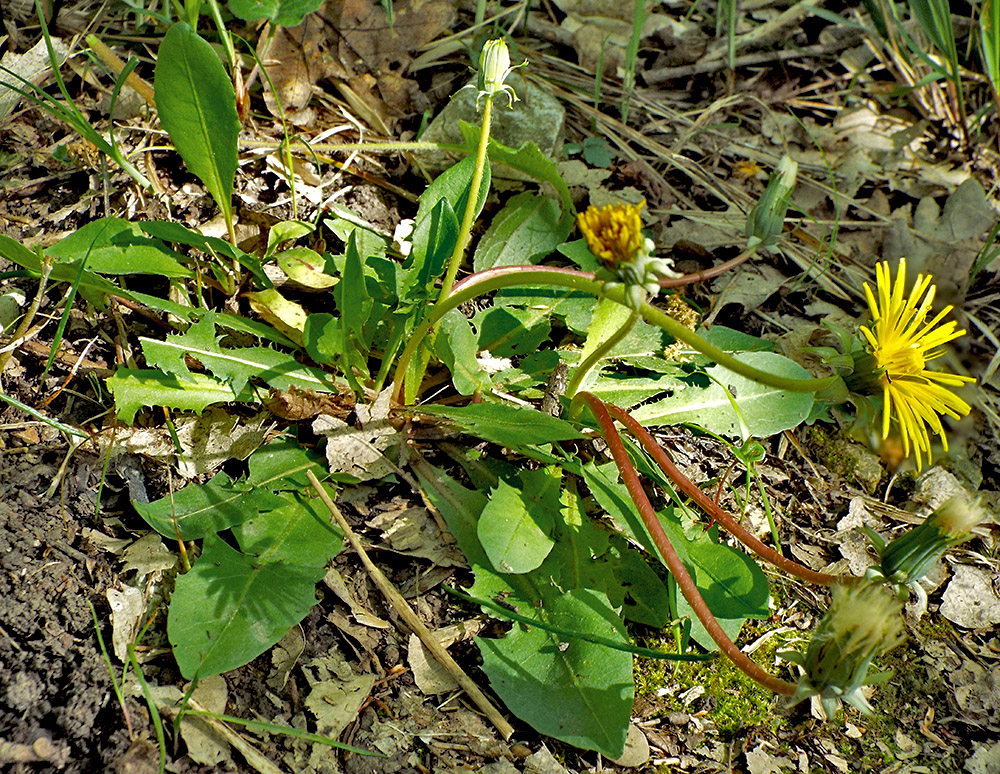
767	219
863	622
494	67
909	557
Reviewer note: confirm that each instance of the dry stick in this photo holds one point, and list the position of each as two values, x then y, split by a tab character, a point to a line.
713	509
670	557
410	618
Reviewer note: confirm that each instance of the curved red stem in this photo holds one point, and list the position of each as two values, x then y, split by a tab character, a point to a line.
670	557
713	509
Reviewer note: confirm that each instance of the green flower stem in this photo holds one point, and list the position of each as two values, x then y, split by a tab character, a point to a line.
465	230
512	276
669	554
707	504
598	354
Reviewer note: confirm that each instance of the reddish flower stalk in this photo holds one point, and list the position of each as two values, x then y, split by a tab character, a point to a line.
670	557
713	509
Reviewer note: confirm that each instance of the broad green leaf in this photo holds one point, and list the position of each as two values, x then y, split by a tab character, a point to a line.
453	184
138	388
18	254
196	105
236	365
529	159
370	243
323	338
198	510
765	410
509	426
298	532
526	230
283	231
511	332
457	348
574	691
627	391
571	306
734	341
117	246
514	535
230	607
282	464
571	689
608	319
732	584
647	599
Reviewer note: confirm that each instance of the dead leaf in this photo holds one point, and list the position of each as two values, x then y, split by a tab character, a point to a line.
298	403
750	286
206	441
33	66
760	761
432	678
127	609
148	555
412	531
204	744
360	452
336	693
971	599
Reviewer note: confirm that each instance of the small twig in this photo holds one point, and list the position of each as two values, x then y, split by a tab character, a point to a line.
410	618
677	569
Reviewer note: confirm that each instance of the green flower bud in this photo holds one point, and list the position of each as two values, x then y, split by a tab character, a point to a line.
494	67
863	622
908	558
767	219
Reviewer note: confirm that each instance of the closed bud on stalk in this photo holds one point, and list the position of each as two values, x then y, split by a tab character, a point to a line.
494	67
863	622
767	219
908	558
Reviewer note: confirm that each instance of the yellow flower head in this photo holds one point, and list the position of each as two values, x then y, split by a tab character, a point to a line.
613	233
902	342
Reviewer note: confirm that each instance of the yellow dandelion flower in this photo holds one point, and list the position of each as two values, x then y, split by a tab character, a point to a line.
902	342
613	233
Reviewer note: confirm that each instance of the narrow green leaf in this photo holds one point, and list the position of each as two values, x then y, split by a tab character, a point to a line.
509	426
197	107
457	348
